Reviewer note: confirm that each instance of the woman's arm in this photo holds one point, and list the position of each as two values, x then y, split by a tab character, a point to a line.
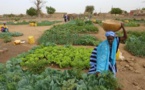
124	37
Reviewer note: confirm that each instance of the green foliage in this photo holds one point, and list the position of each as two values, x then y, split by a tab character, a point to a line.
87	40
31	11
47	23
116	11
143	8
12	77
39	57
135	44
79	22
17	19
89	9
88	22
132	24
135	33
50	10
16	34
98	22
125	12
7	39
7	36
67	37
69	33
18	23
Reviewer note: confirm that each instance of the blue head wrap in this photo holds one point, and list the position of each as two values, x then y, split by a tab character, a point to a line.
110	33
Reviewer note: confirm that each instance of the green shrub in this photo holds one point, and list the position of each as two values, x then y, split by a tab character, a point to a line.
135	44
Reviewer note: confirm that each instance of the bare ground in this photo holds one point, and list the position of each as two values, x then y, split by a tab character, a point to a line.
131	71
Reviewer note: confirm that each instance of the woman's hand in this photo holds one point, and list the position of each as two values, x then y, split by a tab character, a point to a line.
124	37
122	25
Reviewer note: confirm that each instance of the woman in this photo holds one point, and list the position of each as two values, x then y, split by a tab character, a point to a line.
103	57
4	28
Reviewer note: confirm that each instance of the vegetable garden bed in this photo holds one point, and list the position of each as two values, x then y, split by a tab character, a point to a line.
30	70
42	23
40	57
135	43
7	36
13	77
74	32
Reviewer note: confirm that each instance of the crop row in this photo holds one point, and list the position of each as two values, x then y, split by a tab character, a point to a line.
39	57
74	32
135	43
13	77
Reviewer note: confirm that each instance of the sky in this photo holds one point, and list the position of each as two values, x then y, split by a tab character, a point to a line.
70	6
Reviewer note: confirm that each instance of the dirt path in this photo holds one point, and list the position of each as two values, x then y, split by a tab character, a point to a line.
101	33
131	71
28	31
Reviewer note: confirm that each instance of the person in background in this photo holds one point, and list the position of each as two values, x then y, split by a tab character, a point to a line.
65	17
4	28
103	57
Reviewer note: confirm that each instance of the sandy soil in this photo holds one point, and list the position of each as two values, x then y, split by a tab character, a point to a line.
131	71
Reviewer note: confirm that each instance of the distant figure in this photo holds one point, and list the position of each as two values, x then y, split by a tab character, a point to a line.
68	17
65	18
4	28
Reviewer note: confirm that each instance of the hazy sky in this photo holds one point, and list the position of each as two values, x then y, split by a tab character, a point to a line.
69	6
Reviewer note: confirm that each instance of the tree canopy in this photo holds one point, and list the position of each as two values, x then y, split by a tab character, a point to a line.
116	11
143	8
50	10
89	9
31	11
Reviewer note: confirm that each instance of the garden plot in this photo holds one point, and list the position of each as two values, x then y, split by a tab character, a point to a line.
131	78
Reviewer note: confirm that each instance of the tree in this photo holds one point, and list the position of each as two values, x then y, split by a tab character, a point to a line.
116	11
125	12
143	8
89	9
31	11
50	10
39	4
